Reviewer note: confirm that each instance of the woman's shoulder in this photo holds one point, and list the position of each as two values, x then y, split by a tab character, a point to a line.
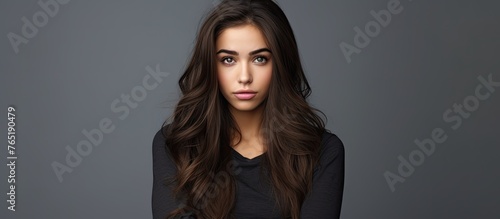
159	138
162	160
331	139
331	147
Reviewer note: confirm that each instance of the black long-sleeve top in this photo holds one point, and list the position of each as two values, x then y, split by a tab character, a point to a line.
253	199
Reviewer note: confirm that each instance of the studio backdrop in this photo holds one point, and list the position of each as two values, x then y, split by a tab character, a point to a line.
411	87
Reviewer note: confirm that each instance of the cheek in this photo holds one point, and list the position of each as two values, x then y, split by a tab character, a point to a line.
223	81
267	77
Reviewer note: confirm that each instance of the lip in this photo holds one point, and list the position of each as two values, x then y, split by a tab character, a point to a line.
245	94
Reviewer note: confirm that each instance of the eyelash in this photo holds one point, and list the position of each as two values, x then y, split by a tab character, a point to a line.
223	60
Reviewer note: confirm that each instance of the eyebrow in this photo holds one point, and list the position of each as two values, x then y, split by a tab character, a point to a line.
251	53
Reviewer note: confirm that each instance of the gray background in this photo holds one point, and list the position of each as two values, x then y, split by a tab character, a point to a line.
395	91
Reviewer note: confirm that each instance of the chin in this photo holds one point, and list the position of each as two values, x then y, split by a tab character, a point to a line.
246	107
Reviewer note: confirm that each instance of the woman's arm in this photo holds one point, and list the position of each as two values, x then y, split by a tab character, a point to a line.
325	199
162	201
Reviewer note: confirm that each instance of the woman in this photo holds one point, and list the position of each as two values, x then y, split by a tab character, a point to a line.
243	142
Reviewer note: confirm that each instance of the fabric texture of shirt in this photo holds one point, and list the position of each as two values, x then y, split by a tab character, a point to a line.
253	198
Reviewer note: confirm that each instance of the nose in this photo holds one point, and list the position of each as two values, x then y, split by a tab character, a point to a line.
245	76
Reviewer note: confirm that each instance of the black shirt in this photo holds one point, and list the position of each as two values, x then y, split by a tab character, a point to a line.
253	198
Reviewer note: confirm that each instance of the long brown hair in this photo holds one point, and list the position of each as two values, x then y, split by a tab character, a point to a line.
200	130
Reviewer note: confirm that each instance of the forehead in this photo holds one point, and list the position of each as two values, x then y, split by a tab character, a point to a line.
242	37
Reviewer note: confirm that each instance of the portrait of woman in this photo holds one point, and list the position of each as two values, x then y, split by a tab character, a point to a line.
243	141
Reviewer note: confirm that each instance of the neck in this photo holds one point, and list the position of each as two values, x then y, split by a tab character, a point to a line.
249	123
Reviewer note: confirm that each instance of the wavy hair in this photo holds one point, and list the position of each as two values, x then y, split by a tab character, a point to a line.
201	126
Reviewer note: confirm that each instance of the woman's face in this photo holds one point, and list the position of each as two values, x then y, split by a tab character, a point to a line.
244	67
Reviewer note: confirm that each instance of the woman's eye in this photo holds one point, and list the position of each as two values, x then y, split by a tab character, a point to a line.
260	59
227	60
